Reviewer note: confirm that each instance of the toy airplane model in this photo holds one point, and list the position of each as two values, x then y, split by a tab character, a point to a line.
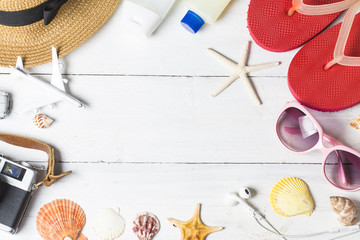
55	89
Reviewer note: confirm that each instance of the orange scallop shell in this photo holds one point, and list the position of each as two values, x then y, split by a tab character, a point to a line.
59	219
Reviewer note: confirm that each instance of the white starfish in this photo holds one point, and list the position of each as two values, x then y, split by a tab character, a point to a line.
241	71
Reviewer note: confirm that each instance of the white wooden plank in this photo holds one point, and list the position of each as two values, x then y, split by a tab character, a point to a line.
162	119
169	190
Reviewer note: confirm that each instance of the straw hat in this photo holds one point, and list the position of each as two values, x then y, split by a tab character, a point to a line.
74	21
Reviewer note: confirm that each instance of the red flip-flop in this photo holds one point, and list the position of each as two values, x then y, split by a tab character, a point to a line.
273	29
325	73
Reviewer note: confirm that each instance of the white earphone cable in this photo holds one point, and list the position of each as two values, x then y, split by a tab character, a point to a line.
299	235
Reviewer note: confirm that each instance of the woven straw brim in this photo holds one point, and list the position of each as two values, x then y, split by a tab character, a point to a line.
76	21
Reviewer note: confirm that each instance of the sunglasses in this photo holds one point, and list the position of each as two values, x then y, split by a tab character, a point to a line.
299	131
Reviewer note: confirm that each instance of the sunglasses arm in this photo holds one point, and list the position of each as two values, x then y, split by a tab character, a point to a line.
332	141
341	171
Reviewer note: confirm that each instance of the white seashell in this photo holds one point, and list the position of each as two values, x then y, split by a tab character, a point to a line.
146	226
109	224
42	121
345	209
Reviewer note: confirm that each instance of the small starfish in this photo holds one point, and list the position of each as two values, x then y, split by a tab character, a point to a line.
194	229
241	71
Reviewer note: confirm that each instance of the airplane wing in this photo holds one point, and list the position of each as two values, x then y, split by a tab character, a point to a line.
39	103
56	78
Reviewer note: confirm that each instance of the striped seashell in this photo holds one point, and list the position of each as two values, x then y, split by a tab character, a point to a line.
146	226
291	196
355	123
42	121
61	219
345	209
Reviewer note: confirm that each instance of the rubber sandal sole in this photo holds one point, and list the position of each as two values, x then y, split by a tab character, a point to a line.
272	29
335	89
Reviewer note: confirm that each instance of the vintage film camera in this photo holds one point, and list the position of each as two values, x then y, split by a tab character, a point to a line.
16	189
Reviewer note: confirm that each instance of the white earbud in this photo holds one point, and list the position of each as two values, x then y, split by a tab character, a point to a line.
233	199
238	198
244	193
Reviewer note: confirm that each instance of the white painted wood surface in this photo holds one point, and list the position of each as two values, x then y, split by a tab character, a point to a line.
153	139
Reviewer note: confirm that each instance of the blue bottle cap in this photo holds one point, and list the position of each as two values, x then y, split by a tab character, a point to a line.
192	22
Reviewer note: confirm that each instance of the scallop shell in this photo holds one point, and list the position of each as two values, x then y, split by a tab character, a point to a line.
146	226
61	219
290	196
42	121
355	123
345	209
109	224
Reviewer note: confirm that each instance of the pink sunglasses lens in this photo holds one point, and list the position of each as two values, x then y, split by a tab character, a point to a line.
342	169
296	131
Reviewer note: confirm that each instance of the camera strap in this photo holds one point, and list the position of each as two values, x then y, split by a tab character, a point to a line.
25	142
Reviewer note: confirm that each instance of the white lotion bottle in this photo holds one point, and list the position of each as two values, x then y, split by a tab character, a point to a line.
144	15
201	12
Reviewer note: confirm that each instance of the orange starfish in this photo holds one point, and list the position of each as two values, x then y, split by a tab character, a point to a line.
194	229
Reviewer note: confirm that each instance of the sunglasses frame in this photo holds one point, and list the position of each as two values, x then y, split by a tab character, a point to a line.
336	145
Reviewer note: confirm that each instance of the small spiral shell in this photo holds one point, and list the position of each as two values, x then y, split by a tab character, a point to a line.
355	123
345	209
42	121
